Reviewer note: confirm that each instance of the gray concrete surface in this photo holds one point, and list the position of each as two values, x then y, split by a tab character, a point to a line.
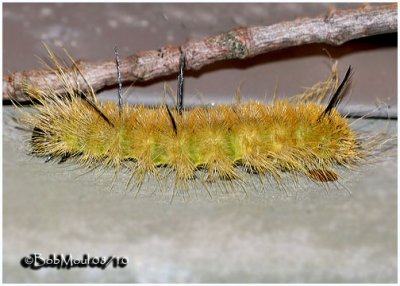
307	234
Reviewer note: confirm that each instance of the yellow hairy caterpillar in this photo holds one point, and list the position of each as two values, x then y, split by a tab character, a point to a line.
224	142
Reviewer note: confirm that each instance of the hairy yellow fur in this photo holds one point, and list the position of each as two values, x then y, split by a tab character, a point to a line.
226	140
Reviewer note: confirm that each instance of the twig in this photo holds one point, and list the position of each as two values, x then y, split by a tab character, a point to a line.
334	28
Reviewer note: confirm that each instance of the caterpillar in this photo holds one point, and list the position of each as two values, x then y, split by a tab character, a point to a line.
221	143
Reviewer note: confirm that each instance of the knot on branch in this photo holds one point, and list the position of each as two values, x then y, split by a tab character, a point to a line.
233	44
236	42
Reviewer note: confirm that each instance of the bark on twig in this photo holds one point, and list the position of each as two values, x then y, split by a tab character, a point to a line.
334	28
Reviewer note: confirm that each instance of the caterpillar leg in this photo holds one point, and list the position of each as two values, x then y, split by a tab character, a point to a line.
322	175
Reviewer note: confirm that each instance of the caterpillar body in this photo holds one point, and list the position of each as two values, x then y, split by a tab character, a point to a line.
224	141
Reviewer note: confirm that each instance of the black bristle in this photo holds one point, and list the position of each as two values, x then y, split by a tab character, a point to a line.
339	94
172	120
83	96
181	79
119	78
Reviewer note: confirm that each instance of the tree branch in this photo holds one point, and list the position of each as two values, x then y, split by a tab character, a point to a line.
334	28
